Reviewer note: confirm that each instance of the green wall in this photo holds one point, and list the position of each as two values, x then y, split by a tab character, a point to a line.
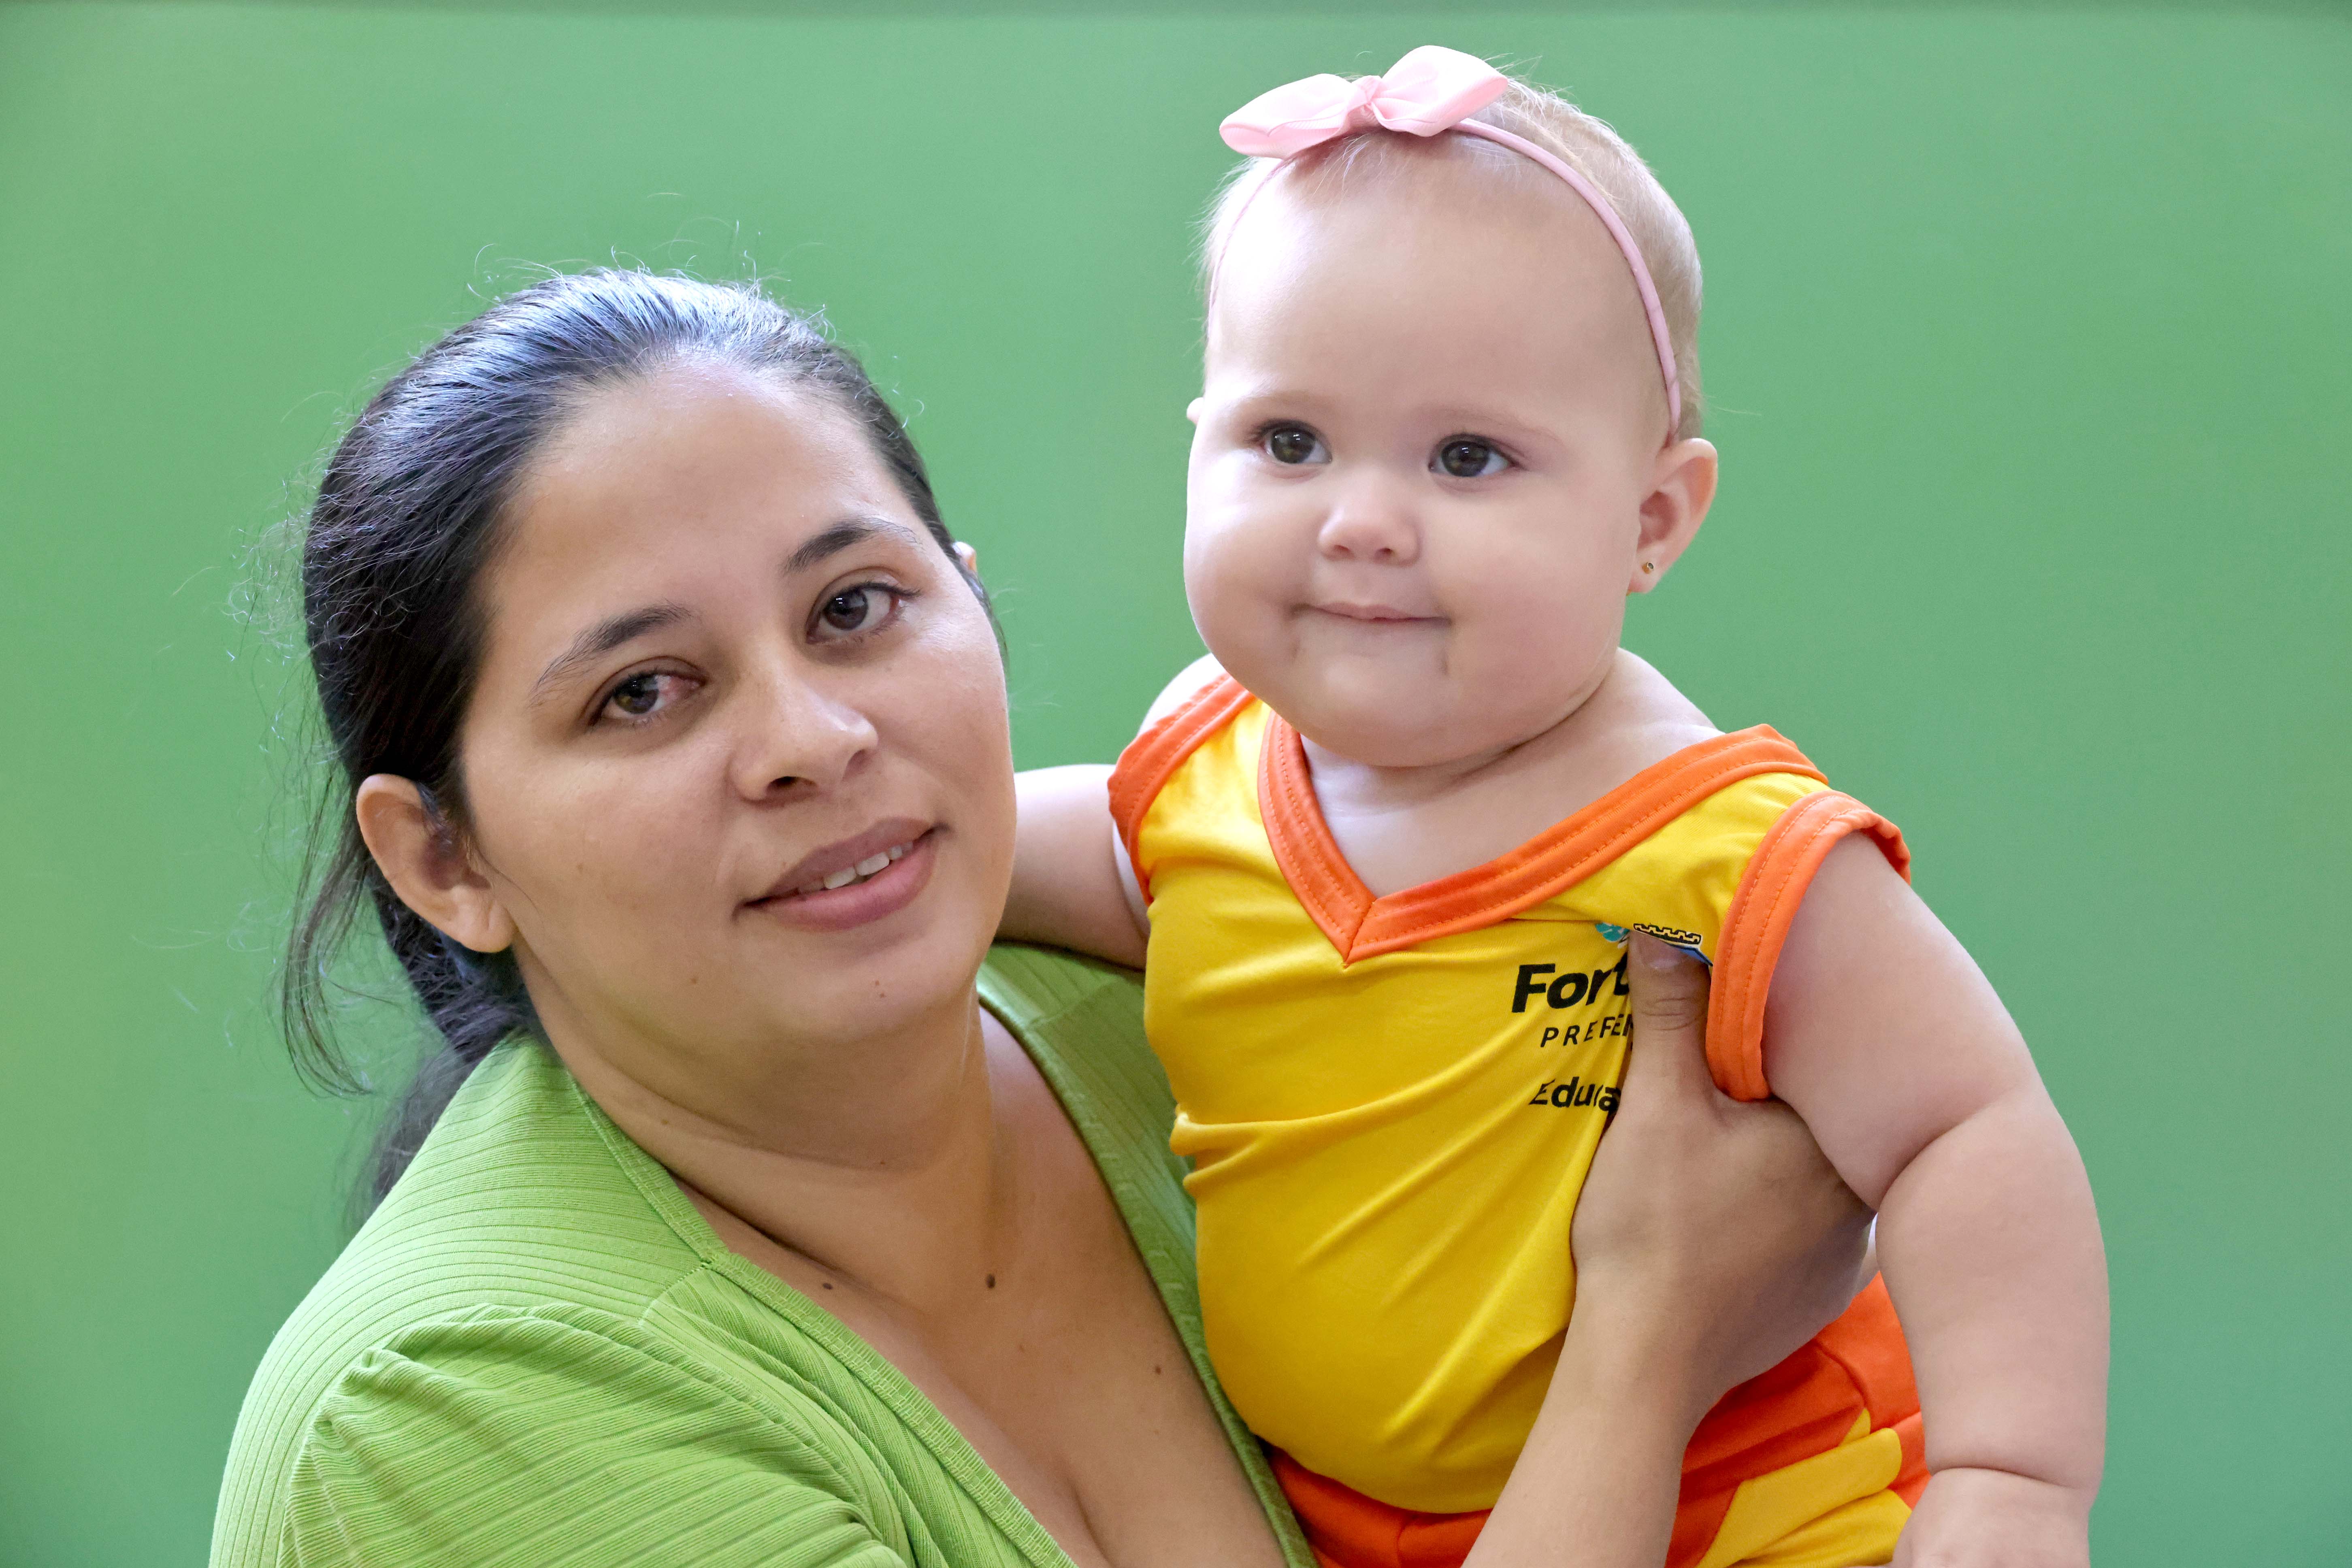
2027	340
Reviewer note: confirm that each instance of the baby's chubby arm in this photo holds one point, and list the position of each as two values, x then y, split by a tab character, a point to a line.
1888	1040
1070	877
1071	885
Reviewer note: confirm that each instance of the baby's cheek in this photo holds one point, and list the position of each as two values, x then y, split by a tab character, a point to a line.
1548	627
1236	621
1233	575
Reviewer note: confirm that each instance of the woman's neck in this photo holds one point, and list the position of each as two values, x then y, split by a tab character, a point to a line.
900	1182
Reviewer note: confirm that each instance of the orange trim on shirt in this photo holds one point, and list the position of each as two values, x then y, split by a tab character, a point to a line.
1757	925
1152	758
1361	925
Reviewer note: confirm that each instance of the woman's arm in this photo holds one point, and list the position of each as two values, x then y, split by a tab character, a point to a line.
1712	1240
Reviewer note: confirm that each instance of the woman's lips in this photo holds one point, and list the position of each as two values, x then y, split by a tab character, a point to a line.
872	866
898	871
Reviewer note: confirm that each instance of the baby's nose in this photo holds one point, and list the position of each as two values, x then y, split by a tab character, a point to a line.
1371	523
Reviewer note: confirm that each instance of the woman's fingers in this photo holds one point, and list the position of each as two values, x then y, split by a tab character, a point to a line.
1722	1218
1666	1122
1669	1026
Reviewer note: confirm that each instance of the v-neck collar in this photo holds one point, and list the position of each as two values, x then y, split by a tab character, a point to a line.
1361	926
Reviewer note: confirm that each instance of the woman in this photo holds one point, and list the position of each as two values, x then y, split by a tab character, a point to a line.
773	1220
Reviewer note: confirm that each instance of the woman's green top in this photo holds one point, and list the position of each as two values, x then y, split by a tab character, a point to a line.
538	1352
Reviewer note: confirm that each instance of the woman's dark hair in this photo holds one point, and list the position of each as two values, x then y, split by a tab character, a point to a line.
407	516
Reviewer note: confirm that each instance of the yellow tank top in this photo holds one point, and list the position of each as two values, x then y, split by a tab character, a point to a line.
1391	1103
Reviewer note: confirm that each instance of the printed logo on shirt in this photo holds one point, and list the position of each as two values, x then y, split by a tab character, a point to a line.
1575	988
1575	1094
1614	1025
1688	941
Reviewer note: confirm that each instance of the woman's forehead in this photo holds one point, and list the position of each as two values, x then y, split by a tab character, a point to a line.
697	430
694	458
692	479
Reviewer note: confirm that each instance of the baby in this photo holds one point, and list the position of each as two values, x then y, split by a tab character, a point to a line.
1391	837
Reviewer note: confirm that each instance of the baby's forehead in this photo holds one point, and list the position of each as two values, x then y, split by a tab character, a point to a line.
1442	246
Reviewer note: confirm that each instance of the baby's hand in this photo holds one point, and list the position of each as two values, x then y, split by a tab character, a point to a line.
1992	1519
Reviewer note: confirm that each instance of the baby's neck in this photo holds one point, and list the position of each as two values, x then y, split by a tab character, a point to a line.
1399	827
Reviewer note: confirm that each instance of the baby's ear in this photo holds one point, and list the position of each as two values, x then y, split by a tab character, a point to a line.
1682	487
1192	409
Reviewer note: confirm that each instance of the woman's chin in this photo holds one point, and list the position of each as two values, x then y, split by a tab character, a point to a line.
888	940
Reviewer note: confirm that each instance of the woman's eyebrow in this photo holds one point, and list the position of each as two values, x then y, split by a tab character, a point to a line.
604	637
845	533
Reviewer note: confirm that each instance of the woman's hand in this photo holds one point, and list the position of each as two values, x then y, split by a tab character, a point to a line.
1712	1240
1719	1226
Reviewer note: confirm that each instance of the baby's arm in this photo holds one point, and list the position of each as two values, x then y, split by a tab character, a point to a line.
1070	877
1885	1036
1071	885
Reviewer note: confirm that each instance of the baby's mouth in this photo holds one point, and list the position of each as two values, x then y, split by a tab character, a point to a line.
1373	613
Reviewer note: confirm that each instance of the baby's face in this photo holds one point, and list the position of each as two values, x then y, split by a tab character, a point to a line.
1430	424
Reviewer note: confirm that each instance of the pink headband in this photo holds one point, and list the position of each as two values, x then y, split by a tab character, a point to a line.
1431	90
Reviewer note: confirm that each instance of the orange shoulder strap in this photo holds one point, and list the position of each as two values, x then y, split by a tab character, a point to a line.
1757	923
1152	758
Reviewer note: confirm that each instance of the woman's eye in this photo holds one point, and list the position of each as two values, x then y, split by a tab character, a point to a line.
860	609
1294	445
643	694
1465	458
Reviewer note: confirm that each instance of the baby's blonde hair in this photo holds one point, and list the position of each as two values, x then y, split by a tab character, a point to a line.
1587	144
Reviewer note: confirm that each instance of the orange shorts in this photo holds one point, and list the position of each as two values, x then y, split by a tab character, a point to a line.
1806	1405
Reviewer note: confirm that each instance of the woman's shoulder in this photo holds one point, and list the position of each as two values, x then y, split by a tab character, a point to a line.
523	1195
1081	1021
525	1273
562	1434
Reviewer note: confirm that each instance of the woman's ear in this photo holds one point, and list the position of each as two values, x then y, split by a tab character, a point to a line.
1682	487
968	558
418	853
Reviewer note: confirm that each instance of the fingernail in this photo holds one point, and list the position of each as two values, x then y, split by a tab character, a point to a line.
1652	953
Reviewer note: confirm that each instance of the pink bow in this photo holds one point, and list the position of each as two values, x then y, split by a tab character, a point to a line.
1432	89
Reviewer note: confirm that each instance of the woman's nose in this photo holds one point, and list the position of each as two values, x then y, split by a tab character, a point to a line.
1370	521
794	735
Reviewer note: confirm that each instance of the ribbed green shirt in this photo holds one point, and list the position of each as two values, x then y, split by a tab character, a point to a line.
537	1351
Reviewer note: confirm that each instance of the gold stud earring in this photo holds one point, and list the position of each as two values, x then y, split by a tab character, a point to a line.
1648	566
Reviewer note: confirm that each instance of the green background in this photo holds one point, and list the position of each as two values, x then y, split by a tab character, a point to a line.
2026	335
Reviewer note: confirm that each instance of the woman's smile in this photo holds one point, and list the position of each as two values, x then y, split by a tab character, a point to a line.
855	882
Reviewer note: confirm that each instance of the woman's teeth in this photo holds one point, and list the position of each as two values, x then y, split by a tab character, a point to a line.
867	867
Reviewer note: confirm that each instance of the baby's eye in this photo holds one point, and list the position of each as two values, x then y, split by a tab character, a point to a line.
1467	457
865	608
1293	445
644	694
